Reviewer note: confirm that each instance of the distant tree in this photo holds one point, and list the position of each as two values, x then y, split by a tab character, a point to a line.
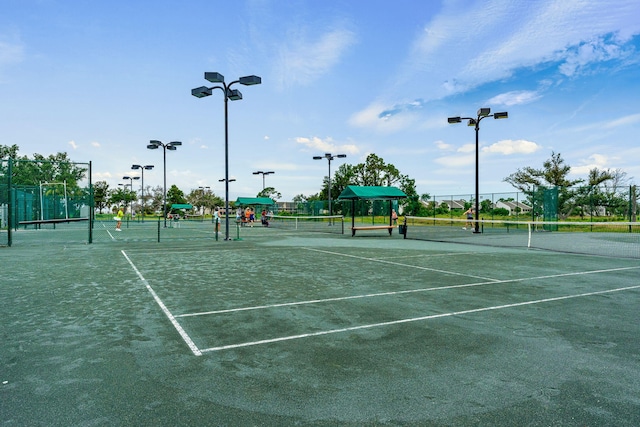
202	198
411	205
300	198
374	172
175	196
119	197
553	174
486	206
157	198
9	152
101	195
270	193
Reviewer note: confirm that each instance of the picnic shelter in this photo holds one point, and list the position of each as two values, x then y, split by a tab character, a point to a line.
355	192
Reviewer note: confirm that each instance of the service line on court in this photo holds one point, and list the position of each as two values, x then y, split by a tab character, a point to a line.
415	319
384	261
408	291
165	310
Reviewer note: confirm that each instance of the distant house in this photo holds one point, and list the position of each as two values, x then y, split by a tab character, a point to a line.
513	207
452	204
289	207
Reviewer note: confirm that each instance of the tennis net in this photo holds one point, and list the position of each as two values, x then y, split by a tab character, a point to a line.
323	223
618	239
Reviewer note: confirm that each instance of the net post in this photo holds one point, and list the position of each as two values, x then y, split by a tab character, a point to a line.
92	206
10	202
158	229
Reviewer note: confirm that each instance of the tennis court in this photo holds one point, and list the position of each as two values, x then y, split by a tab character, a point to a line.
288	327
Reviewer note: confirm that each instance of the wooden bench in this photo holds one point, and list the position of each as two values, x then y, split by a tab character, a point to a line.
372	227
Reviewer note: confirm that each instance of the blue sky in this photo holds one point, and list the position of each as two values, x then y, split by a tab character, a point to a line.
100	79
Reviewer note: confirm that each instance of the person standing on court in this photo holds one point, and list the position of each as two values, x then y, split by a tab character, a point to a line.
469	214
394	216
216	219
119	216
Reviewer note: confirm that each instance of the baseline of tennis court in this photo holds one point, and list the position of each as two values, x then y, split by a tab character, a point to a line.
289	328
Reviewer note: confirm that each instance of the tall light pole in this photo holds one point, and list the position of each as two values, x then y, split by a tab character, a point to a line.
131	178
263	174
229	94
171	146
329	157
483	113
142	169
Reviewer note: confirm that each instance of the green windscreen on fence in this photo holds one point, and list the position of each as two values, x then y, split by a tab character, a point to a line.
43	195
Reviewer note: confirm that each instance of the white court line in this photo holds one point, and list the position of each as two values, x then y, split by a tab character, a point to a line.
384	261
430	255
166	311
408	291
414	319
108	232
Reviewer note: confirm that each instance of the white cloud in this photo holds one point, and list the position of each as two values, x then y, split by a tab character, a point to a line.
377	116
509	146
10	52
467	148
456	161
443	146
492	39
515	98
591	52
597	161
623	121
327	145
73	144
305	61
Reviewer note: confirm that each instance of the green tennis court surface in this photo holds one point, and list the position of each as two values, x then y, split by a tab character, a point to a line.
285	327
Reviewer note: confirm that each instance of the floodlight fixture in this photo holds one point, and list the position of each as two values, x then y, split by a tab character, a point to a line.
171	146
142	169
213	77
263	173
329	157
234	94
250	80
201	92
483	113
229	94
